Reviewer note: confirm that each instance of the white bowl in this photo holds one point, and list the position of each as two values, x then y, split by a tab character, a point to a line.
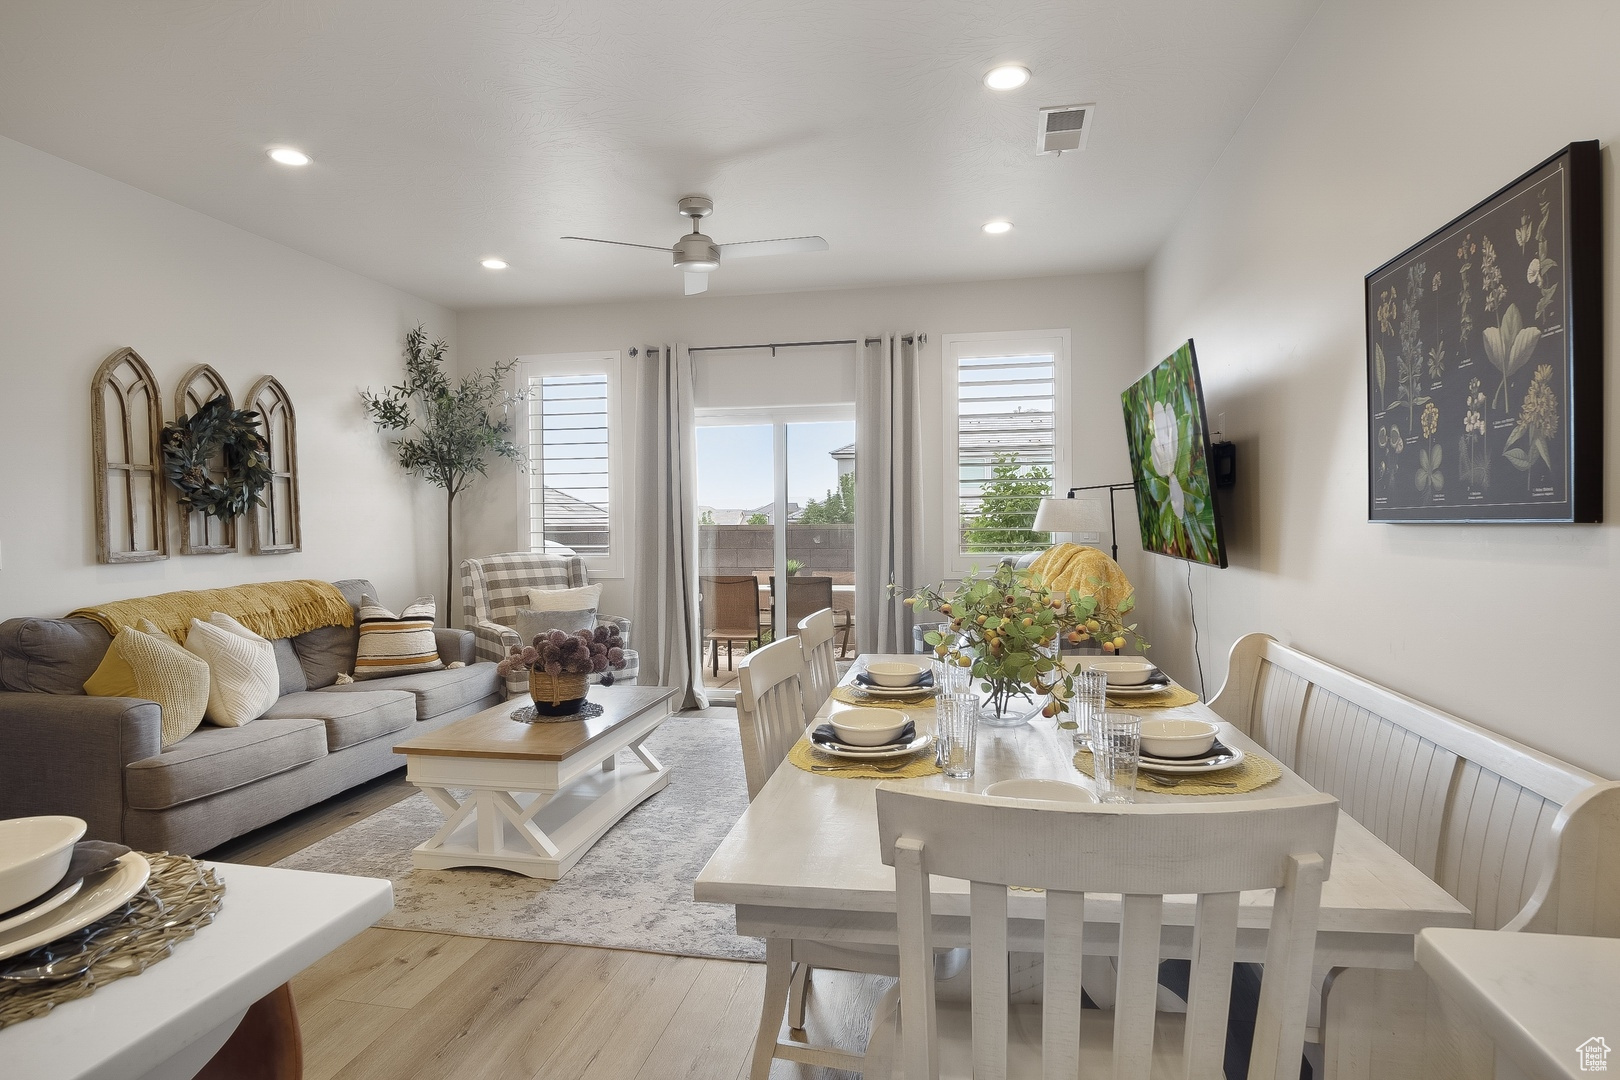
1124	670
34	854
867	727
1177	738
895	675
1052	791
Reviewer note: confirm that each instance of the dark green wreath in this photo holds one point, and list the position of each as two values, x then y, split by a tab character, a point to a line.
216	429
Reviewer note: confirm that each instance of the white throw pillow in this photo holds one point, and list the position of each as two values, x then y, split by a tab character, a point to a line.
584	598
243	681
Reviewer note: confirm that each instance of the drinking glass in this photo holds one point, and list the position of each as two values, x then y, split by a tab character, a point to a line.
1116	749
1089	701
951	678
958	730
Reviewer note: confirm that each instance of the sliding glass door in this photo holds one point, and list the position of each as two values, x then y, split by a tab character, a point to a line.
776	527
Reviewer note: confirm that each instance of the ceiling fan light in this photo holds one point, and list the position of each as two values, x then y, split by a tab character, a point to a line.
696	254
1006	77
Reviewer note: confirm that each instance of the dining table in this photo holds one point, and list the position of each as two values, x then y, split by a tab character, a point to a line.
803	861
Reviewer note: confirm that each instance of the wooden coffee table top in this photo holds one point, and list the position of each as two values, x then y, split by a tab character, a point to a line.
494	734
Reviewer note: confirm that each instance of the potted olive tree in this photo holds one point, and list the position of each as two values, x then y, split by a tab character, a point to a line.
448	427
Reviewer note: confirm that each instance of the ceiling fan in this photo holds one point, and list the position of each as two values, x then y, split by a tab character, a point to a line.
698	255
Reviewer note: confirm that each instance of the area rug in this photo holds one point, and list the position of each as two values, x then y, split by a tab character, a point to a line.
633	890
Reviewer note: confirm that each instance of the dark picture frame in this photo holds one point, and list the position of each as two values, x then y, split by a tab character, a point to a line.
1485	358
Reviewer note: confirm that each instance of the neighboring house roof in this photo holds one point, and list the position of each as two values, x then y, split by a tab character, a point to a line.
563	508
728	516
843	453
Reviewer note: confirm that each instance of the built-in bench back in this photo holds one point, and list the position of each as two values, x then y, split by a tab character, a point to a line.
1473	810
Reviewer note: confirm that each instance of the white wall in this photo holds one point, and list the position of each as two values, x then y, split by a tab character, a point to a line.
1385	121
1104	311
87	265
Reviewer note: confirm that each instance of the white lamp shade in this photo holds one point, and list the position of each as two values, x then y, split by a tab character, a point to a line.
1071	516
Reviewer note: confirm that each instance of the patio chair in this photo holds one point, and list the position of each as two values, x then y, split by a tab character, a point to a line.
730	614
807	595
494	587
1140	853
816	633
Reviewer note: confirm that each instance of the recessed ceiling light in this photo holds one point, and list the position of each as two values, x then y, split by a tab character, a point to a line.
286	155
995	228
493	264
1007	77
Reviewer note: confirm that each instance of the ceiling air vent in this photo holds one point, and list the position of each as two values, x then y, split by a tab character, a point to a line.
1064	127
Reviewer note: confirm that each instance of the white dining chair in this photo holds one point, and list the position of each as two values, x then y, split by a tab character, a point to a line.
816	633
771	711
1139	853
771	716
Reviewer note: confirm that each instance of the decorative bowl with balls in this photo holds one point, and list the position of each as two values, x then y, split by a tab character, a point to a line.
560	665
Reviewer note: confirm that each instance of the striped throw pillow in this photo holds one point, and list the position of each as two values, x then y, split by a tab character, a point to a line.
396	644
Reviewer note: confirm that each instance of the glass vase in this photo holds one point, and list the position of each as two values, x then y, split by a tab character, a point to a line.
1011	710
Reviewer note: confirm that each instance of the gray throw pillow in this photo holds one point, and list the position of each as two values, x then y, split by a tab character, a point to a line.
531	623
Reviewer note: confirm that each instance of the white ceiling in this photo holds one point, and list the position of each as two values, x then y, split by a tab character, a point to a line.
444	131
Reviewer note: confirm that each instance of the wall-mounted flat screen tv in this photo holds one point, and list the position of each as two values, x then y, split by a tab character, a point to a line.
1168	433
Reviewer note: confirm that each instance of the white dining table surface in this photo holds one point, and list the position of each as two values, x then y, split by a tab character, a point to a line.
1539	996
271	925
803	861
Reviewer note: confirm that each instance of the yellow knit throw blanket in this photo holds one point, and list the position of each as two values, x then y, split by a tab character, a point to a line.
1070	566
271	609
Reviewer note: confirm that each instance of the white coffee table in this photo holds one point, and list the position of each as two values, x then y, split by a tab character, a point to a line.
540	794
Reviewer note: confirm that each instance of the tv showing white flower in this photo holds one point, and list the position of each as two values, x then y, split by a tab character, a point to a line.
1167	436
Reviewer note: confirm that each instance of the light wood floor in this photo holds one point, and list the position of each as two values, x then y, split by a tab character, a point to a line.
403	1005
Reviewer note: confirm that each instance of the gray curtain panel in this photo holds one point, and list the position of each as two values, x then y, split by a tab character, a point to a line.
887	512
667	629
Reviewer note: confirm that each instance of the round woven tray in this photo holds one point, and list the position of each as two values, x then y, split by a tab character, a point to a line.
528	714
124	942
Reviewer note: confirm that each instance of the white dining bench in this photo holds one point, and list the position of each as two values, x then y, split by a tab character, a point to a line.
1525	841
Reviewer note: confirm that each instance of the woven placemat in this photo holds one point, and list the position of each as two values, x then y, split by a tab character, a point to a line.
850	695
527	714
180	897
1255	771
1168	698
808	758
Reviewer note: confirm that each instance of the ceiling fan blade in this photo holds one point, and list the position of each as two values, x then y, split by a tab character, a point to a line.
617	243
791	245
696	283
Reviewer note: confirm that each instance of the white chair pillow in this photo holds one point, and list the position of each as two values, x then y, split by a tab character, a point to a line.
584	598
243	681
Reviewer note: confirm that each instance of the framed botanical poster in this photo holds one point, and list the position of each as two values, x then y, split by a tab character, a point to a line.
1485	359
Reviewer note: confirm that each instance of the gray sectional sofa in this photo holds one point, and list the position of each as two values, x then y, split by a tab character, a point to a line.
62	752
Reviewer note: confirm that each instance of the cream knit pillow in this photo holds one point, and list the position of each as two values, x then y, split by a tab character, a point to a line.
584	598
243	679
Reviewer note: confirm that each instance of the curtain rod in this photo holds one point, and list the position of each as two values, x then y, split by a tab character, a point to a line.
921	339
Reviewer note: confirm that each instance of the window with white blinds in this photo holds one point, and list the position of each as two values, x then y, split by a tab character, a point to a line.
1007	441
572	478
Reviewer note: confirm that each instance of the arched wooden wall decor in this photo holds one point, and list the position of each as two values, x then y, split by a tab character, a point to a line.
199	533
274	526
132	523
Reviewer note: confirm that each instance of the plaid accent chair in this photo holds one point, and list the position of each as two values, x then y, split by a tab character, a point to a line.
494	587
